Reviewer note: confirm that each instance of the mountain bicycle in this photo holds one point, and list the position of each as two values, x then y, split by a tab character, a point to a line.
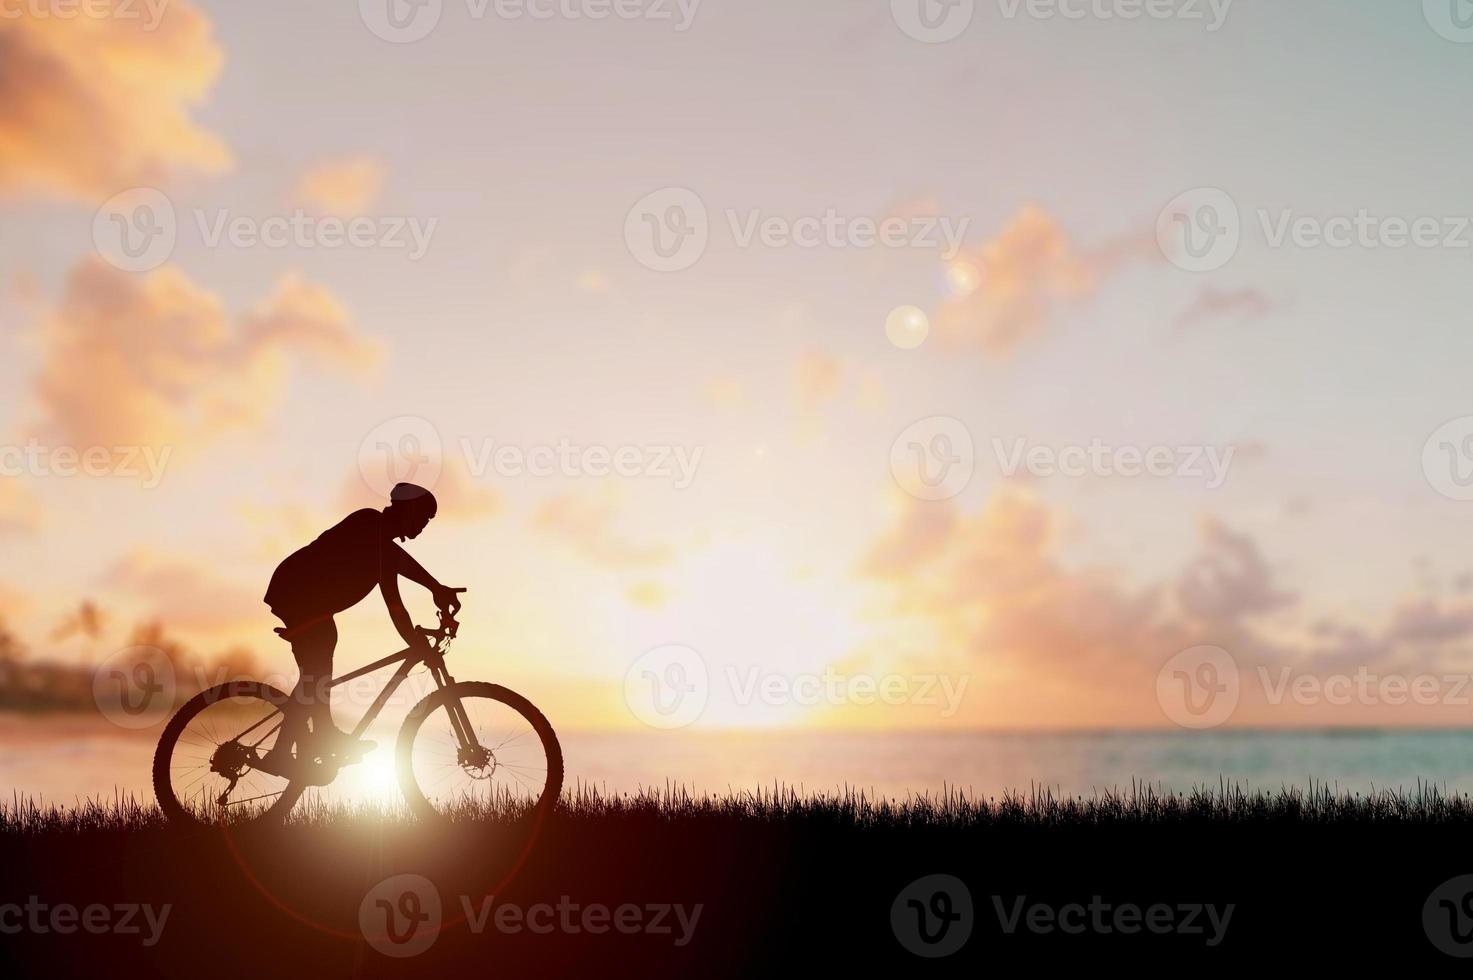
466	746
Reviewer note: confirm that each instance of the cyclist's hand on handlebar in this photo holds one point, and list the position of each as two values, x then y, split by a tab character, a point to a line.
448	599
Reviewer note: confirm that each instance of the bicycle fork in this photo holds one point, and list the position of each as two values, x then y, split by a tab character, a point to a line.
465	733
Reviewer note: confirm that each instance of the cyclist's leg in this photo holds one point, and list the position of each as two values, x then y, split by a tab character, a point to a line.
314	648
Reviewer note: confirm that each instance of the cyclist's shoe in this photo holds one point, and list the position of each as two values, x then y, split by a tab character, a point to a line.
341	746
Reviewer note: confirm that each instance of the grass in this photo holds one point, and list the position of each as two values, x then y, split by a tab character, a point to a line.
776	871
1140	805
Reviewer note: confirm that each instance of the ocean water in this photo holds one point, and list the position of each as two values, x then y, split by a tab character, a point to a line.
65	762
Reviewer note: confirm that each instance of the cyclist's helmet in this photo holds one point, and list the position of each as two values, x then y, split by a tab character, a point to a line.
415	498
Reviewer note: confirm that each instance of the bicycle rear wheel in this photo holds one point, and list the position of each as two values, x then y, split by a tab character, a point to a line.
508	761
204	767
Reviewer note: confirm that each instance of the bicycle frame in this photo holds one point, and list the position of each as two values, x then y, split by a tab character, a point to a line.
435	661
407	659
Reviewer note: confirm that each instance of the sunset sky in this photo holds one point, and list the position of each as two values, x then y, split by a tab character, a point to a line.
267	376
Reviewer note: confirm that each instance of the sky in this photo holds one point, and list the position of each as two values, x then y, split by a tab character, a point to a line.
537	156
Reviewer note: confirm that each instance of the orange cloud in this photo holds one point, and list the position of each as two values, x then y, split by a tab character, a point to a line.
818	378
90	106
13	604
1007	289
346	187
725	393
155	360
647	595
993	586
20	511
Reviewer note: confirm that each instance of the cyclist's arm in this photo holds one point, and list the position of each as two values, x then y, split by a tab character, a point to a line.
445	597
389	586
412	569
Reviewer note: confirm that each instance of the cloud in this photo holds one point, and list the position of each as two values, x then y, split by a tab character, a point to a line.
90	106
993	584
726	393
817	379
156	360
301	317
1211	304
1009	288
588	527
647	595
20	510
14	603
347	187
185	593
923	533
1229	579
594	281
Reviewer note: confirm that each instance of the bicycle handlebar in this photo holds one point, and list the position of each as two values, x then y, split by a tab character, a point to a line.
449	627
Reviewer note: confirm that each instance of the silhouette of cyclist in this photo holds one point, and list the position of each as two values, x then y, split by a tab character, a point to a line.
331	574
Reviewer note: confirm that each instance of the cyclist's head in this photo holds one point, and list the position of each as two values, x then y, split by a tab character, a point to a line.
410	509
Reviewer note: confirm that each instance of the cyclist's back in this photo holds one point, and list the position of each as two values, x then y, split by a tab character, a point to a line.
334	572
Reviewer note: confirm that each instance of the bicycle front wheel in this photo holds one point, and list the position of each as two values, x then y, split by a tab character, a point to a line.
475	749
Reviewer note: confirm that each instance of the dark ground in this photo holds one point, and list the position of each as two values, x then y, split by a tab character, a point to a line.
779	889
